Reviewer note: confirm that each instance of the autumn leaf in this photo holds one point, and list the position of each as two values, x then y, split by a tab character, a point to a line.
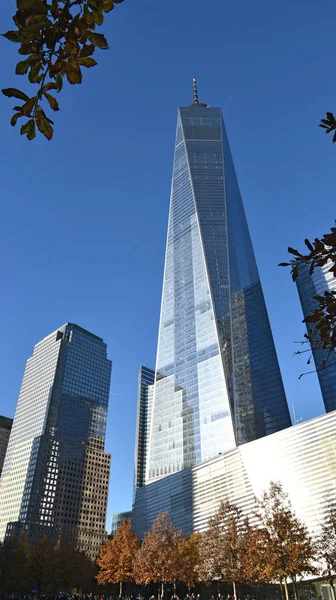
43	123
15	117
99	40
86	61
73	72
108	5
22	66
57	39
28	106
59	82
13	93
29	129
52	101
12	36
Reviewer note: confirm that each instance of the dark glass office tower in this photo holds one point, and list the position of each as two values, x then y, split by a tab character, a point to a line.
320	281
56	472
145	398
218	381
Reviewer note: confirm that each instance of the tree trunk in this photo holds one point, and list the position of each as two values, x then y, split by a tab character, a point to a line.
286	589
234	590
281	590
120	589
331	582
162	589
295	590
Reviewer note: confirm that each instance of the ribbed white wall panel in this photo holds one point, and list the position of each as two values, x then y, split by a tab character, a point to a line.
302	457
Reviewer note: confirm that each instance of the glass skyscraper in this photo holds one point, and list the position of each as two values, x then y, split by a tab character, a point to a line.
217	382
320	281
145	399
56	473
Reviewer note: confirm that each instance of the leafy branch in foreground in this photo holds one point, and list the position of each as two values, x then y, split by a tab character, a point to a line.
329	124
58	39
322	321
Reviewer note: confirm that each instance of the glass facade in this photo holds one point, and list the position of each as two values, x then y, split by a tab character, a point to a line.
320	281
56	473
117	519
217	380
145	398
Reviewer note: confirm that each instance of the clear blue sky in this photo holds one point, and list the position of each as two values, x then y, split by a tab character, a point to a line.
84	217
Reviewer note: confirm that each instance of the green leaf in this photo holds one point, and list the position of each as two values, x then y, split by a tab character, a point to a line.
59	82
43	123
86	61
29	129
28	106
13	93
52	101
99	40
15	117
22	67
12	36
73	72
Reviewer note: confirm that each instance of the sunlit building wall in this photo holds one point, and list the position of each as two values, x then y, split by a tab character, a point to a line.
302	458
5	429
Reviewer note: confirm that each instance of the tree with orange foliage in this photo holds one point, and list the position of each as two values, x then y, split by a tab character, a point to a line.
157	561
117	556
288	548
189	559
222	546
254	557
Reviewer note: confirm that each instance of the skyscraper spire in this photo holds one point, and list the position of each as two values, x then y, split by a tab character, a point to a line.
195	92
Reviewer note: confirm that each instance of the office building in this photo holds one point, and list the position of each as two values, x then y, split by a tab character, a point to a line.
117	519
145	398
5	429
320	281
218	382
217	420
56	472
